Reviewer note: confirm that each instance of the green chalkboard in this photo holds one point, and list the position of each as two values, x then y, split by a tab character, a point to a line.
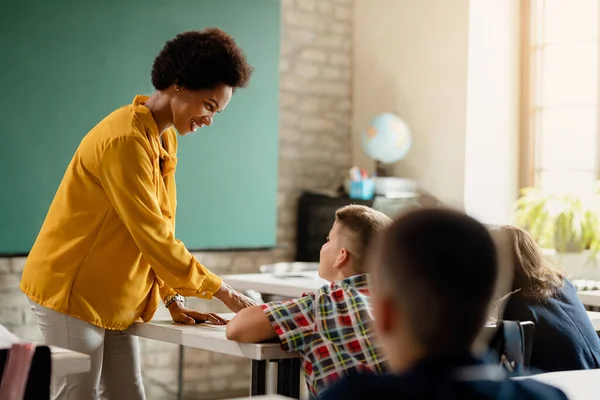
65	64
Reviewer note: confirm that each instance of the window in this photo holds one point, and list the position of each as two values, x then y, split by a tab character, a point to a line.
559	115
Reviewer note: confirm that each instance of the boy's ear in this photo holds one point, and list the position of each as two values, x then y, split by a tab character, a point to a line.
342	258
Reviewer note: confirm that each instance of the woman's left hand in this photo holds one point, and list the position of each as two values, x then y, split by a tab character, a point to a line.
183	315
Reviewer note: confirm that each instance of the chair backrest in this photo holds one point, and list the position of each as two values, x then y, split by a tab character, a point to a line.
528	332
507	341
38	382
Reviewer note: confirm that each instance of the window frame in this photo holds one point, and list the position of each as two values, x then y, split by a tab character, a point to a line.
528	70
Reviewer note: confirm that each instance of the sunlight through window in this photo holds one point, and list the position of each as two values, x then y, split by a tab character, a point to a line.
563	103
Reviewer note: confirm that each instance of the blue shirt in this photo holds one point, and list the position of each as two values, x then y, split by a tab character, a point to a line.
443	378
564	337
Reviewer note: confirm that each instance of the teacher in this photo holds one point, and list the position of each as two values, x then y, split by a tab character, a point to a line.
106	254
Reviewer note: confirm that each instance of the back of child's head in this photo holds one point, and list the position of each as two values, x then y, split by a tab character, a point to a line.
533	276
359	224
440	268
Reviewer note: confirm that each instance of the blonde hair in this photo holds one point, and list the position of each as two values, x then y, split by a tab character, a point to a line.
364	223
533	276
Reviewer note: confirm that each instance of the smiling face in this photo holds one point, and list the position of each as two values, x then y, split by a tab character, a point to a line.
194	109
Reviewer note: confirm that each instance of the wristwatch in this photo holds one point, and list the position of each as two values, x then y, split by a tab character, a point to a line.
174	297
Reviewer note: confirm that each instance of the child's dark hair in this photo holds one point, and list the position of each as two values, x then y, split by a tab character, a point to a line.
441	266
201	60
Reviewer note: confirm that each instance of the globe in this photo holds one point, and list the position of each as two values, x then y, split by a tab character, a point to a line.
387	139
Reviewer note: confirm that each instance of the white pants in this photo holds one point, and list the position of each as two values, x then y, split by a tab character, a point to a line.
115	358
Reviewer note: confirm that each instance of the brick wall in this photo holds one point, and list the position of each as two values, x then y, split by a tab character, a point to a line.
314	153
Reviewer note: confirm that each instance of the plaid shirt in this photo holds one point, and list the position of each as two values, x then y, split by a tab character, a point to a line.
331	331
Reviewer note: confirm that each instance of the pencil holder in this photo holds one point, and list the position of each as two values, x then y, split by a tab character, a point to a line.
362	190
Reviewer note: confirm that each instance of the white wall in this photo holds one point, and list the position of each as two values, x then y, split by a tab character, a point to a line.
410	57
492	110
449	68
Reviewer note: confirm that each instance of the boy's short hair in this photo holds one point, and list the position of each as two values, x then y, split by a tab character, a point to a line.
441	266
363	223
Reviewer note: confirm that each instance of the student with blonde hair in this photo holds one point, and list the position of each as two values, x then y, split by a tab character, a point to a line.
564	337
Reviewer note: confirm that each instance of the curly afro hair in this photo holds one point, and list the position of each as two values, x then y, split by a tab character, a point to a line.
201	60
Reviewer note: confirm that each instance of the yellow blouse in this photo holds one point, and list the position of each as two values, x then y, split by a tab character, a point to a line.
106	252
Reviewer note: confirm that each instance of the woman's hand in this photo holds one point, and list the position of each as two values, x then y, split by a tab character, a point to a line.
183	315
233	300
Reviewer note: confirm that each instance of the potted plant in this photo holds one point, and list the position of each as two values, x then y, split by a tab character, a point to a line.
566	225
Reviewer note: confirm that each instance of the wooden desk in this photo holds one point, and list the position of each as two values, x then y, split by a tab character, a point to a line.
207	337
590	297
289	285
577	385
212	338
298	283
595	318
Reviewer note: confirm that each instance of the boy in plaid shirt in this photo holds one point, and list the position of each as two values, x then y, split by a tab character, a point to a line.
434	273
331	327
